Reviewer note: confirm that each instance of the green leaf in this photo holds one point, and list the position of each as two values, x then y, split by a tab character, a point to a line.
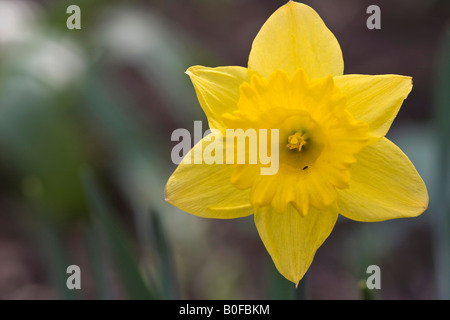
169	280
117	241
53	243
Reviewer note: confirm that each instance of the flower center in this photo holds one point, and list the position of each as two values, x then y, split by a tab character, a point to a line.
305	140
318	140
296	141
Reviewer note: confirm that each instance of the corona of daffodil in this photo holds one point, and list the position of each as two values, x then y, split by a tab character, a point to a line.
333	156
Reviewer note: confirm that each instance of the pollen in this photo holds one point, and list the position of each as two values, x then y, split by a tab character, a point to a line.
296	141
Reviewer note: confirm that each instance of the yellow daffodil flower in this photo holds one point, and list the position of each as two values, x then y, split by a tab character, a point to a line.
333	156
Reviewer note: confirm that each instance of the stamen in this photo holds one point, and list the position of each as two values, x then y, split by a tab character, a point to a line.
296	141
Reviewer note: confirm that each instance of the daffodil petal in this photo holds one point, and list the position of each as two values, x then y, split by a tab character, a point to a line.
218	90
295	37
205	190
374	99
384	185
291	239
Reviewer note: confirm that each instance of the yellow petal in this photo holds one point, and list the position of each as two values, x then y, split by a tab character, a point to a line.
205	190
374	99
218	90
291	239
384	185
295	37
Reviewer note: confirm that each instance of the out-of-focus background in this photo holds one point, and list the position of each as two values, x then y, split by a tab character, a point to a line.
86	118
